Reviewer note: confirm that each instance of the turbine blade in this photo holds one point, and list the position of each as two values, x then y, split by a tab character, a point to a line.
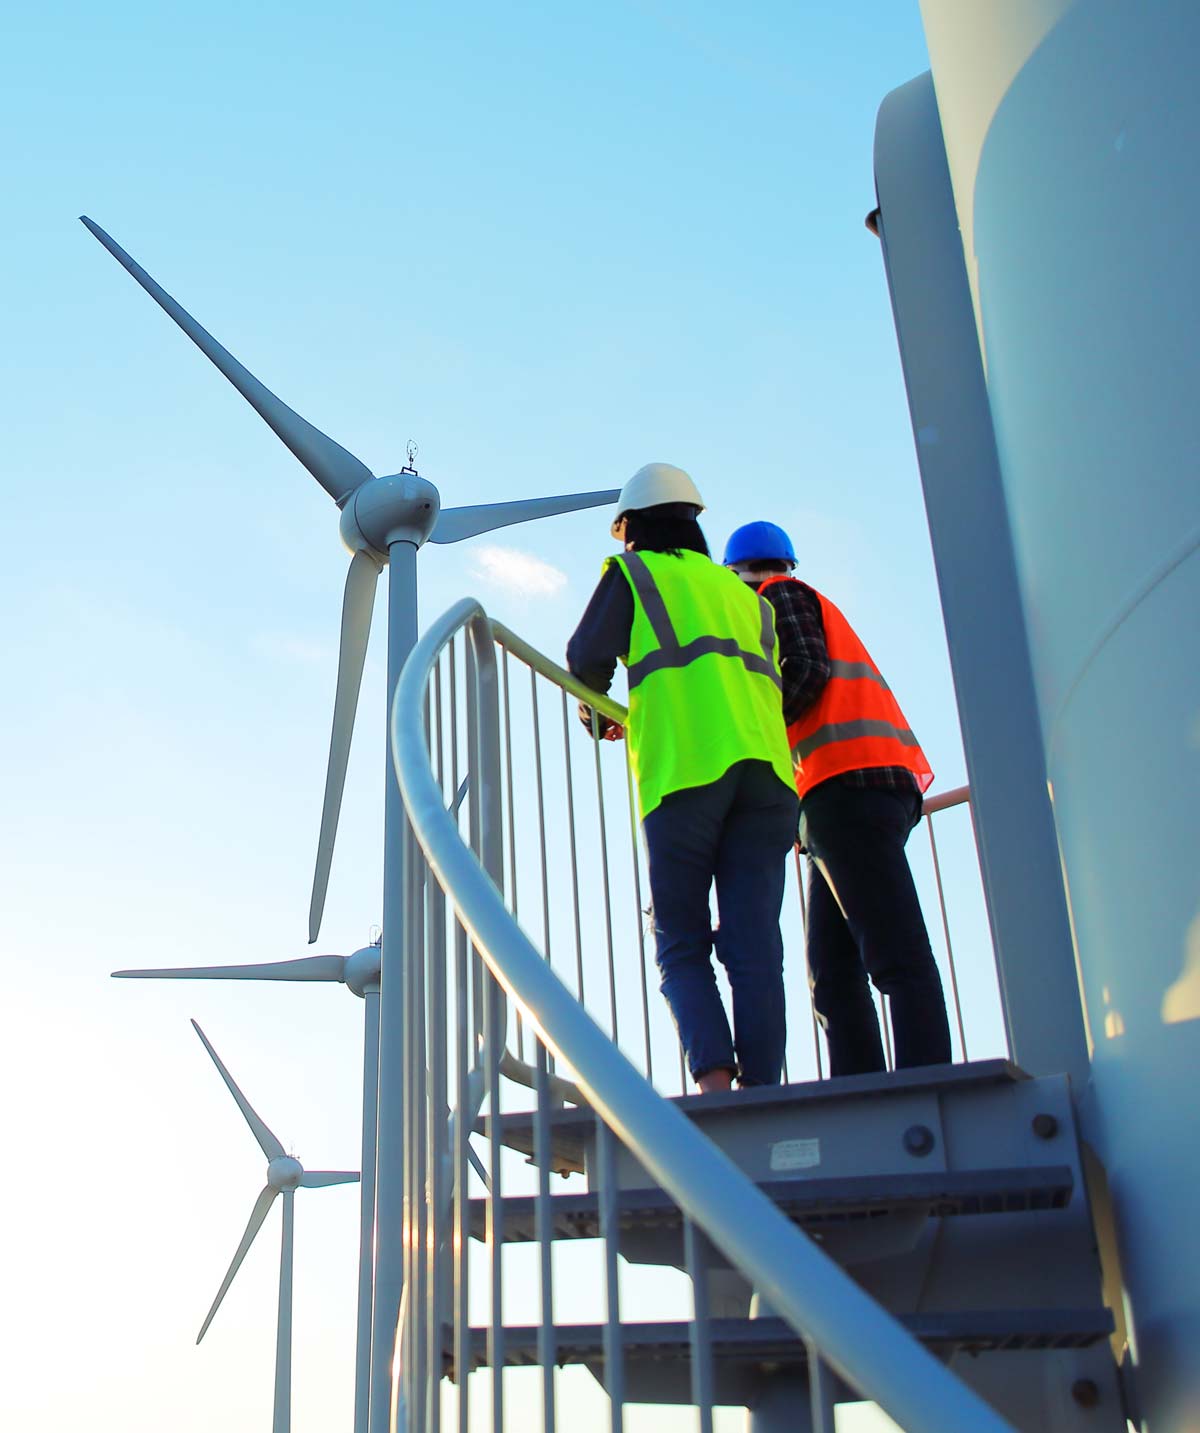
338	471
267	1142
319	1178
455	524
261	1206
357	606
309	967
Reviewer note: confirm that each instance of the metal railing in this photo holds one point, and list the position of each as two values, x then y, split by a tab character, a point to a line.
475	986
574	874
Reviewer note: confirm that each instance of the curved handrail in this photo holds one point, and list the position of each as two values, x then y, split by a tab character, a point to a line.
862	1342
519	647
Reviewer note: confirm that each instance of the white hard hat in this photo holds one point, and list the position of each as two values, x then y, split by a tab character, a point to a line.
656	483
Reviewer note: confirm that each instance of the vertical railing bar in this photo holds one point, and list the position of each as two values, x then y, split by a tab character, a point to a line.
436	1106
637	897
822	1413
412	1309
695	1248
512	835
414	1162
544	1222
574	853
462	1206
937	876
485	764
453	688
492	1041
418	954
473	808
419	1300
608	931
462	1133
614	1355
541	812
812	1004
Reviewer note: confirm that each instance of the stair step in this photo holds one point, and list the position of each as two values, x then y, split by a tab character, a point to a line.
772	1341
805	1201
572	1130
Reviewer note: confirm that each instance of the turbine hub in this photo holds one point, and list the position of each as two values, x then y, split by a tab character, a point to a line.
399	508
362	970
285	1173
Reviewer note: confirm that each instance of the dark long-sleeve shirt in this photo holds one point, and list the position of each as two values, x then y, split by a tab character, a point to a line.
602	637
601	640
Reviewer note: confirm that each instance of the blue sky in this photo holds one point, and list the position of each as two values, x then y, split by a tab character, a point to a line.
550	243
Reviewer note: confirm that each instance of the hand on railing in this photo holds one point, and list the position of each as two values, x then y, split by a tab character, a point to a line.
601	726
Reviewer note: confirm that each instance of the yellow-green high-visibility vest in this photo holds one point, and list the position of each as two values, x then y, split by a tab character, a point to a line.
704	684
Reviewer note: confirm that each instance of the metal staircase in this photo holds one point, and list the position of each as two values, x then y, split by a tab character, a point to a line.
922	1239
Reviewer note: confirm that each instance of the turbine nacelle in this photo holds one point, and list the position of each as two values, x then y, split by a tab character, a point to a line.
285	1172
402	507
362	970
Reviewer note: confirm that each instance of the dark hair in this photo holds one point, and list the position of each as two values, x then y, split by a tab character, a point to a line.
667	527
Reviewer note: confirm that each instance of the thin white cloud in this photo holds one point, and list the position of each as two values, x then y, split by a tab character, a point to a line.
518	572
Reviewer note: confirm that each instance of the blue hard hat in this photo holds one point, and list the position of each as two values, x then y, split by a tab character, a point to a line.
759	540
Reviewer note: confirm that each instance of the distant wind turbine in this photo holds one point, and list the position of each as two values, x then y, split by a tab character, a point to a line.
384	522
285	1175
359	973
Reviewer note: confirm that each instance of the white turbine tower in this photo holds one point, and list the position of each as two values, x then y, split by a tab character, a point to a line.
285	1175
384	522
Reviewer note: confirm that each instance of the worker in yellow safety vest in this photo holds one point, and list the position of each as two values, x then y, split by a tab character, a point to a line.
860	776
711	764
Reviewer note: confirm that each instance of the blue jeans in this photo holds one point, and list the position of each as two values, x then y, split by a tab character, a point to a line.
871	928
736	831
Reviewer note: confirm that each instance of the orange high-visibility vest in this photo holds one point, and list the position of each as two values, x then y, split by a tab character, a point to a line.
856	722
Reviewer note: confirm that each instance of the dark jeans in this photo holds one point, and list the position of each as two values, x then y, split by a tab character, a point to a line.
737	832
856	837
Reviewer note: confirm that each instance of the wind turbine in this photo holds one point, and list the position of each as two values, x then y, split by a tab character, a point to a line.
285	1174
359	973
384	522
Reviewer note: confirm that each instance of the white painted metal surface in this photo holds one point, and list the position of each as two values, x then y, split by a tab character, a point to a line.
1071	131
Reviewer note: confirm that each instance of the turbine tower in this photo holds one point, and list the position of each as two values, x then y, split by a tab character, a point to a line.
285	1175
384	522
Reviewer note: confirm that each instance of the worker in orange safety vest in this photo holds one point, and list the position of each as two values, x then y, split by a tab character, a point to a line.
860	776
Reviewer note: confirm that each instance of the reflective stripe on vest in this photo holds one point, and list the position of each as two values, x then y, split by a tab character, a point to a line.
856	723
850	731
704	682
671	654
